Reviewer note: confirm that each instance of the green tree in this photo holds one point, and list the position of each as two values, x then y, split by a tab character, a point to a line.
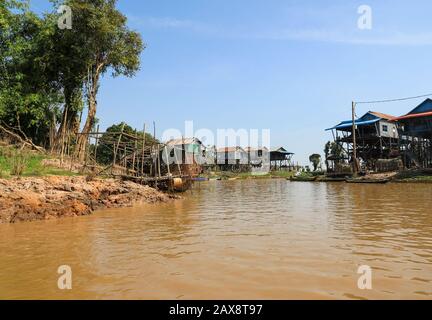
327	149
28	100
47	73
104	43
334	151
315	159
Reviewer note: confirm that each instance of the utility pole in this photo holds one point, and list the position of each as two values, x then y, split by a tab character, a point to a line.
355	167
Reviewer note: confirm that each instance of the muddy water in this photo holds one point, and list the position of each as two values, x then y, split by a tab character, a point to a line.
238	239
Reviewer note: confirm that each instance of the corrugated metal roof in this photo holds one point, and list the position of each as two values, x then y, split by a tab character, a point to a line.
348	124
281	150
414	115
365	120
382	115
178	142
425	106
231	149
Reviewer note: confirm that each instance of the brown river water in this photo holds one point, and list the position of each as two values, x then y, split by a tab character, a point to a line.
256	239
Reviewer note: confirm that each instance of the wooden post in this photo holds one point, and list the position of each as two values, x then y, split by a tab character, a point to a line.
86	151
170	181
167	159
97	143
117	146
68	148
177	161
125	158
143	148
159	162
134	153
355	168
183	151
63	137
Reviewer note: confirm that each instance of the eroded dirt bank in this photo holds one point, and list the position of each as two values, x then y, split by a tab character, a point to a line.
31	199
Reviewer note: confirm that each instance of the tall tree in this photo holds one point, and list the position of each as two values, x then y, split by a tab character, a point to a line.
27	97
105	44
43	66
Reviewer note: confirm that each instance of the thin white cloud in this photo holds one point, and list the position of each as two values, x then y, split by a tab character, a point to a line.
173	23
357	38
170	23
353	36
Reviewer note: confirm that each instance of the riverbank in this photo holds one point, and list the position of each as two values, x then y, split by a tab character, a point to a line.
32	199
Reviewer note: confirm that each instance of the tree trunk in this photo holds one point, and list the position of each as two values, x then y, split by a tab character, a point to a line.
92	107
68	119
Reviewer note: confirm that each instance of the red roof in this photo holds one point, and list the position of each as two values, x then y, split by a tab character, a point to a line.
414	115
382	115
231	149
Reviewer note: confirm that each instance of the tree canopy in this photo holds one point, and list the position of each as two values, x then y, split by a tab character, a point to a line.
48	74
315	159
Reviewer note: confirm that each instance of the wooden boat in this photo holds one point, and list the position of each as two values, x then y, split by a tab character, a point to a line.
332	180
303	179
376	181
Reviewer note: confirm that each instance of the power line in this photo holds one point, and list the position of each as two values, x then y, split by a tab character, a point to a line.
394	100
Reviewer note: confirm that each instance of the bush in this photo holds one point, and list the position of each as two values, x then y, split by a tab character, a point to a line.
19	162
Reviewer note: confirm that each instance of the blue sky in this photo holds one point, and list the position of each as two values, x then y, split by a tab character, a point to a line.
290	66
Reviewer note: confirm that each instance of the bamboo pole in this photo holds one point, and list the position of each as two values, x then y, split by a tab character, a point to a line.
63	137
87	151
125	158
134	154
167	159
177	161
143	149
159	162
96	143
116	147
355	168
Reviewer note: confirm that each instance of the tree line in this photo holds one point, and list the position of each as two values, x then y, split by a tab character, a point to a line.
49	75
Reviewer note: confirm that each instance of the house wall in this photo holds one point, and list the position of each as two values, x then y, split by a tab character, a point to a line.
255	156
233	157
392	130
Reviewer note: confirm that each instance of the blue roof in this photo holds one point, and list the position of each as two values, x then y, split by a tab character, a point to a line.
425	106
349	124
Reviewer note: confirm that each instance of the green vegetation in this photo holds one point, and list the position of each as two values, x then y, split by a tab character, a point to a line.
15	162
105	150
315	159
420	178
333	152
414	176
48	74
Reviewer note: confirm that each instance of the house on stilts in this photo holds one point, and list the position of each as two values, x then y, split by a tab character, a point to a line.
415	130
377	137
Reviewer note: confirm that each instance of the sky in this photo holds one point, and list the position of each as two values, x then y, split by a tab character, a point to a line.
290	66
